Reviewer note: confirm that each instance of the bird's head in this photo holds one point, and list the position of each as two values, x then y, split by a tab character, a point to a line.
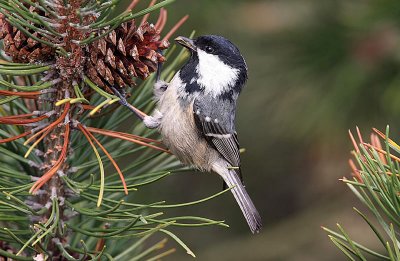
215	64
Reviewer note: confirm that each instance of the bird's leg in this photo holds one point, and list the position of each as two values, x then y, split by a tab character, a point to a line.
150	122
160	86
159	68
122	100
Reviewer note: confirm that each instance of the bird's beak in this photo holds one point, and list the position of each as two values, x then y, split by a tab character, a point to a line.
186	42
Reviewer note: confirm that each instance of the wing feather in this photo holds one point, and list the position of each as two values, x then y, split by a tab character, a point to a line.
219	133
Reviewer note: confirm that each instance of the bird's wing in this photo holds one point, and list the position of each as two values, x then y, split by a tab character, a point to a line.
215	121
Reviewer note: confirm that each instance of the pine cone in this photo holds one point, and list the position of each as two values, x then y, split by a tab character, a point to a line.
23	49
126	53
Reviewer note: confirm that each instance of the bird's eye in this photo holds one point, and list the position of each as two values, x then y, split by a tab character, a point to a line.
209	49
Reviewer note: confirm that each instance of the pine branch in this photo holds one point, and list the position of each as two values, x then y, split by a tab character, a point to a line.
376	184
59	131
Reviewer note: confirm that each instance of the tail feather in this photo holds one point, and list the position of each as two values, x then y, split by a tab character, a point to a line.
250	212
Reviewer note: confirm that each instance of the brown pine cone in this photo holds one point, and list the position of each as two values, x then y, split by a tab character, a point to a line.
126	53
23	49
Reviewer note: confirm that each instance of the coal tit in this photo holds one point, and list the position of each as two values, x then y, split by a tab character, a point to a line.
195	113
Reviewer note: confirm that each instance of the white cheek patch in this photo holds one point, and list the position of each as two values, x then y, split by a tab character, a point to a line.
214	75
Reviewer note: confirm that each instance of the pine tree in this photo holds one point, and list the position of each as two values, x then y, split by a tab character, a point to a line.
62	190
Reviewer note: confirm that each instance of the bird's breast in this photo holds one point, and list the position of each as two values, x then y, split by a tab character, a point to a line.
179	131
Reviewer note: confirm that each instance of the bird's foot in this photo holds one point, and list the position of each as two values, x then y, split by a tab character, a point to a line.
120	94
122	100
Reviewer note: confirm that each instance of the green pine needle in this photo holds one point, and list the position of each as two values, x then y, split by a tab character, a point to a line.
378	188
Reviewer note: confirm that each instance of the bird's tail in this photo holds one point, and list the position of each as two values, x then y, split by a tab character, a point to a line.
250	212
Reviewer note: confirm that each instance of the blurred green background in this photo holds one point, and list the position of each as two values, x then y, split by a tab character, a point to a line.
316	69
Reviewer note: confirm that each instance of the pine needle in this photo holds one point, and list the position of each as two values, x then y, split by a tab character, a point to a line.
112	161
100	162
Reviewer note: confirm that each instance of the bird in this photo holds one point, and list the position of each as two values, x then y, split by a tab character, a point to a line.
195	114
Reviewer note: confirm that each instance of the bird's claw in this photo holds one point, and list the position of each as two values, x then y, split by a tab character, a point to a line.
120	94
124	102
